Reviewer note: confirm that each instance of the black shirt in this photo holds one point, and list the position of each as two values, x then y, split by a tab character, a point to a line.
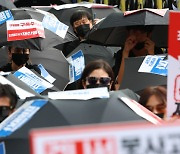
8	68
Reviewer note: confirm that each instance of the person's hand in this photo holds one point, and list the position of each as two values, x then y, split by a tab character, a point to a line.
129	44
96	21
149	46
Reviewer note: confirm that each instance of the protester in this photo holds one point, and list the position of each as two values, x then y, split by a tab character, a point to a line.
97	73
138	43
154	99
81	22
8	100
18	58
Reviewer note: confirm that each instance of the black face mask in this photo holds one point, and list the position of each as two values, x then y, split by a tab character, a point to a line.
20	59
161	115
139	46
4	112
97	86
82	30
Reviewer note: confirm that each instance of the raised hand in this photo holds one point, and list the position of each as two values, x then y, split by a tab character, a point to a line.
129	44
149	46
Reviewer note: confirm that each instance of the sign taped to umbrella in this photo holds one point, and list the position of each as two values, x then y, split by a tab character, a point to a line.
173	99
76	66
5	15
24	29
155	65
20	117
54	25
32	80
2	148
45	74
20	91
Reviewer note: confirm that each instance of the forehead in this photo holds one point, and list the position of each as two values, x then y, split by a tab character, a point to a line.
4	101
19	50
99	73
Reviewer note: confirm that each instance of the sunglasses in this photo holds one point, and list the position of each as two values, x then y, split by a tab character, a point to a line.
102	80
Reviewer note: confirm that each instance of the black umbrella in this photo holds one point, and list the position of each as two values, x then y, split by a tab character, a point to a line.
55	63
72	112
4	56
112	30
22	3
51	39
137	81
64	12
93	52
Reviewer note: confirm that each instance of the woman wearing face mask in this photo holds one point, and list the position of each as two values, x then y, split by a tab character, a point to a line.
97	74
154	99
8	100
18	57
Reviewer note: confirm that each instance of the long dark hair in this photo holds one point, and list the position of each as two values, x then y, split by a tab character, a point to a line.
159	91
97	64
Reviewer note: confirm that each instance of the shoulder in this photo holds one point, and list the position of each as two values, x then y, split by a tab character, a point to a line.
34	67
6	68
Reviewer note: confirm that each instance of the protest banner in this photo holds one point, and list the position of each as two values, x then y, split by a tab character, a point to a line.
124	138
24	29
173	95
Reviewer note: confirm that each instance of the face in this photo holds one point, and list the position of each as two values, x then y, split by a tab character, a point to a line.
4	101
82	21
18	51
98	77
82	27
155	105
19	56
5	110
140	35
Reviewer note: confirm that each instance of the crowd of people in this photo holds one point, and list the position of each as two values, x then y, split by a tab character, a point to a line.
97	73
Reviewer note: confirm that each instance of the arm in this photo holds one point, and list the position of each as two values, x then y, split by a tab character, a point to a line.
129	44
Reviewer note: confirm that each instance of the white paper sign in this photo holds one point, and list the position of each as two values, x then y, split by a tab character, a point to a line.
76	66
20	92
83	94
24	29
54	25
32	80
154	65
45	74
67	6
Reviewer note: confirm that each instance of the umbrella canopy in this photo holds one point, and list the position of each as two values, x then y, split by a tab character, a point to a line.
72	112
55	63
7	4
137	81
64	12
22	3
93	52
51	39
4	56
112	30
